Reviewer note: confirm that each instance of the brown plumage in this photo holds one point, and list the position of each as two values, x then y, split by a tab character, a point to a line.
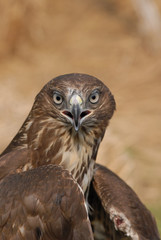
65	126
117	207
37	204
51	160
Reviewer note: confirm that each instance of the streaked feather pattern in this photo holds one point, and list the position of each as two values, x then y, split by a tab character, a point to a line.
46	171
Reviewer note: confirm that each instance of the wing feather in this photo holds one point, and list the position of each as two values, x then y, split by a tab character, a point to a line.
119	209
12	162
43	203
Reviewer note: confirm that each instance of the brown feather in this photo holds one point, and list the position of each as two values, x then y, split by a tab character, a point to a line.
38	205
13	162
122	206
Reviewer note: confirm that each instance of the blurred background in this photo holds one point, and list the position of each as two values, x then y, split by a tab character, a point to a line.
117	41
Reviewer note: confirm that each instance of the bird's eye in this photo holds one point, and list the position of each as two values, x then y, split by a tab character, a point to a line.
94	97
58	99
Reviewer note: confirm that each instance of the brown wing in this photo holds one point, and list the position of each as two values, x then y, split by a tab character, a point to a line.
13	162
117	211
43	203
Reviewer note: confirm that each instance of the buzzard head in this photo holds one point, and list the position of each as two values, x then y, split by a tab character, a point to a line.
78	102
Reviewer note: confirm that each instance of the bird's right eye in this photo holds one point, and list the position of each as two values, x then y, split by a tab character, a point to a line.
58	99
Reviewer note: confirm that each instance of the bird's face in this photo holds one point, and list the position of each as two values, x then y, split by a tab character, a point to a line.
76	108
79	101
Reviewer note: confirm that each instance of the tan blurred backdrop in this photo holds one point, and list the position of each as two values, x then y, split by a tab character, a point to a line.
116	41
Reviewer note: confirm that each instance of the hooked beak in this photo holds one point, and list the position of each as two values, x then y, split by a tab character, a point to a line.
76	113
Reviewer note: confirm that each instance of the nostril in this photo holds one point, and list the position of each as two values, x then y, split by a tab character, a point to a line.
68	114
82	115
85	113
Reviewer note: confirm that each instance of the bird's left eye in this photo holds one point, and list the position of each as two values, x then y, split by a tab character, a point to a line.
58	99
94	97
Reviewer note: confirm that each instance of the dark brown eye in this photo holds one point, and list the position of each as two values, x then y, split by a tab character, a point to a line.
58	99
94	97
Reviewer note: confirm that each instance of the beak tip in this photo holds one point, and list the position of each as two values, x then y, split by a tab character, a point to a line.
76	128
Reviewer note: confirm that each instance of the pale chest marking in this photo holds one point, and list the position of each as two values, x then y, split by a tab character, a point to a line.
88	176
77	160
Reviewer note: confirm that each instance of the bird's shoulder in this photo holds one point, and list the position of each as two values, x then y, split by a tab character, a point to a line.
13	162
45	201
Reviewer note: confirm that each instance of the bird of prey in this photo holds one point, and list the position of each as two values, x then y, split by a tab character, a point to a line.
50	185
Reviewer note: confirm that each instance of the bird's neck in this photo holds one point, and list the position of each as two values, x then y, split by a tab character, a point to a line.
79	159
50	142
56	144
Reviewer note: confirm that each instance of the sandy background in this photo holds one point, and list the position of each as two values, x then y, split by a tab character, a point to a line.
40	40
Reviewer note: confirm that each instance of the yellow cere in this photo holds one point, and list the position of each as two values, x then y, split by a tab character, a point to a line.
75	99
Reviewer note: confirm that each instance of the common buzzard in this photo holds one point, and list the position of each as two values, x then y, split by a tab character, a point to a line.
51	187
